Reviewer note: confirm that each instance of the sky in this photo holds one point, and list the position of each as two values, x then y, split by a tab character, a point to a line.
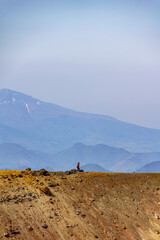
97	56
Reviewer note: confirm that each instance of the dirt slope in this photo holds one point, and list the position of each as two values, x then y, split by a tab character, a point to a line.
81	206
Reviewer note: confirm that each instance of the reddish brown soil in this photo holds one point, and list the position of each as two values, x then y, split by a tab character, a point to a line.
81	206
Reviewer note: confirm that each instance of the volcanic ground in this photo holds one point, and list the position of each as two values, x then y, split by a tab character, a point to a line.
74	205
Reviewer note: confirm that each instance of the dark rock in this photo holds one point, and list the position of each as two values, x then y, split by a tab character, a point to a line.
20	175
73	170
30	228
51	201
69	226
6	235
78	212
28	169
43	172
14	232
45	225
34	173
53	184
46	191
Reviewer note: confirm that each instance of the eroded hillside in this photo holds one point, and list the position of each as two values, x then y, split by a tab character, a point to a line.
40	205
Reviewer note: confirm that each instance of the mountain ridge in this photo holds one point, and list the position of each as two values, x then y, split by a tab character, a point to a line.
94	168
14	156
98	157
110	158
50	128
152	167
26	99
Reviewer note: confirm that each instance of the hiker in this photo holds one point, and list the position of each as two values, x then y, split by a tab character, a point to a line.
78	166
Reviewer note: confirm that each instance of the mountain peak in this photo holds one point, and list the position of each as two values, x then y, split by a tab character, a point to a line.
50	127
40	108
7	96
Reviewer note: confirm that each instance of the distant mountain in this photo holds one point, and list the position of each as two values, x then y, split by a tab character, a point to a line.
13	156
101	154
99	158
114	159
46	127
93	168
136	161
153	167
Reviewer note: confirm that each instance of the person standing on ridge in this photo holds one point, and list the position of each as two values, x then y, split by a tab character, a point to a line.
78	166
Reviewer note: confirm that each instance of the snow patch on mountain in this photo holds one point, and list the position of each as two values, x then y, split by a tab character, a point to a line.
28	109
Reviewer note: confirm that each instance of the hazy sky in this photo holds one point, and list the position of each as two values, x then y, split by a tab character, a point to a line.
99	56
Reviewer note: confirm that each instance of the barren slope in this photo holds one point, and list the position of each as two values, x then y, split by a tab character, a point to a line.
79	206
